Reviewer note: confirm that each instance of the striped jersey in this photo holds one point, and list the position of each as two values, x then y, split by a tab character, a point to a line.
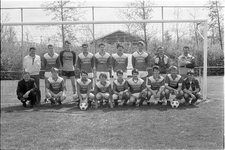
102	62
99	87
119	62
119	86
140	60
55	86
136	86
155	84
50	61
162	62
173	82
85	62
83	85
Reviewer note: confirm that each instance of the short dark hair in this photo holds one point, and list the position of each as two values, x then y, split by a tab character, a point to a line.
155	68
119	71
190	71
101	44
160	47
25	72
50	45
135	71
53	69
103	75
84	45
83	72
67	42
141	42
186	47
119	45
32	48
172	67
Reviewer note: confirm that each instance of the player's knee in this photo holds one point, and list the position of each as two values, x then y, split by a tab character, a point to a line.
48	95
167	91
98	96
181	93
62	98
132	99
106	96
126	95
115	96
186	95
75	97
91	96
163	93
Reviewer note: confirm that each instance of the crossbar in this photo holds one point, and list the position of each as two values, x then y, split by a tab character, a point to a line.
100	22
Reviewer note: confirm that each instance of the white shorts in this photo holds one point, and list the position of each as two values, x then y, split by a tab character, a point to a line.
98	73
48	74
143	74
136	95
115	76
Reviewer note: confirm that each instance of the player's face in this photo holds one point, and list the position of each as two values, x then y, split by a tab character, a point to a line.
120	76
190	76
156	72
84	77
135	75
67	46
173	72
102	47
26	77
161	51
54	74
50	49
140	47
32	52
185	50
120	50
85	49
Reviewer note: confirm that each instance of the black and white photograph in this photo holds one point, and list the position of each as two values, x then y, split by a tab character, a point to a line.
112	74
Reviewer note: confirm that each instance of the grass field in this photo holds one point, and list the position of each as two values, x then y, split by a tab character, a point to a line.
147	127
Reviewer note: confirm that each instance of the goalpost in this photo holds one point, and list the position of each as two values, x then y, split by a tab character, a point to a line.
204	90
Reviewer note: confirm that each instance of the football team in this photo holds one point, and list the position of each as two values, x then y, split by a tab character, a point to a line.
112	88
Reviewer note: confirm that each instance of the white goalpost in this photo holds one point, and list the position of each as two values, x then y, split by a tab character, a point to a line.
204	90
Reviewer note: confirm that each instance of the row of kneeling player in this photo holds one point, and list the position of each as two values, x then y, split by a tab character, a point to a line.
135	91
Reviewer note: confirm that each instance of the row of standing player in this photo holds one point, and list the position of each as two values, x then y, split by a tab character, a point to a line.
67	60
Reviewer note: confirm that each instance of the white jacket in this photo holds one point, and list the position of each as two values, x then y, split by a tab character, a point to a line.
33	67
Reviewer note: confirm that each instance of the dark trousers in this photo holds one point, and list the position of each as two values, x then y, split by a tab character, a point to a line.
187	97
32	97
37	82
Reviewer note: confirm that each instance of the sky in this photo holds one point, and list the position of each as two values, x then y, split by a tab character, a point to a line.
101	14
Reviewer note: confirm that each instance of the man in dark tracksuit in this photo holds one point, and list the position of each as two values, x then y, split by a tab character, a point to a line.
27	89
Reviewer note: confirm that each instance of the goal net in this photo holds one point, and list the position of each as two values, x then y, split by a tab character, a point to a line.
173	35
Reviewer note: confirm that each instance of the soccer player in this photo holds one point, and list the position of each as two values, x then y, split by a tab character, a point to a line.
173	84
26	90
102	61
162	61
85	61
67	60
140	60
84	88
119	61
103	90
156	86
32	64
185	62
120	88
136	88
56	89
49	61
191	88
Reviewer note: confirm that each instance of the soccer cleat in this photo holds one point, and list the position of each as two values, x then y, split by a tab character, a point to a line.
164	103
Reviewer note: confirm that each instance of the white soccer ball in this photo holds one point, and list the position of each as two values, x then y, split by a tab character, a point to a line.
175	104
83	105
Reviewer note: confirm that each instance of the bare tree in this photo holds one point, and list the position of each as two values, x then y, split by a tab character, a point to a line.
138	10
66	11
216	20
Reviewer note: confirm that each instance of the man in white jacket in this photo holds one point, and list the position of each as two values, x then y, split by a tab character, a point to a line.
32	64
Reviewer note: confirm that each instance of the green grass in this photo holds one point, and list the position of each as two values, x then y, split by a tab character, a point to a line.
154	127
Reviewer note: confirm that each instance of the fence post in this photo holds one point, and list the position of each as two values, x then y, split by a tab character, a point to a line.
162	27
22	37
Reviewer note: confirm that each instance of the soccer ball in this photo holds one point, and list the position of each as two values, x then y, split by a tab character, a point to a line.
175	104
83	105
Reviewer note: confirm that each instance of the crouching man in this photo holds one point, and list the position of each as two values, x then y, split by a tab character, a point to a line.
26	90
103	91
191	88
84	85
156	86
120	89
56	90
137	89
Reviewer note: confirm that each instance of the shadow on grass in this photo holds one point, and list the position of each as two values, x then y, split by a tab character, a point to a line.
73	108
